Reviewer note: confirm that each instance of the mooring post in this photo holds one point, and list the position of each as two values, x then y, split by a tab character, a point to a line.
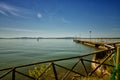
118	55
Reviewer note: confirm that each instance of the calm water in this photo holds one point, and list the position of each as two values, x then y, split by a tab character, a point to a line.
15	52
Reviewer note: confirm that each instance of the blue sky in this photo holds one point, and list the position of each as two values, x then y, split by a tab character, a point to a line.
59	18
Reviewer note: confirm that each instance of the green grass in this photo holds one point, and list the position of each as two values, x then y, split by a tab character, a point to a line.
38	70
92	78
50	76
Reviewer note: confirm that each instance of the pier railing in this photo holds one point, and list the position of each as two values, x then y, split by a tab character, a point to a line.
54	65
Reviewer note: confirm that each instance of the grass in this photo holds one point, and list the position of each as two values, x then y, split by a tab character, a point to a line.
92	78
48	75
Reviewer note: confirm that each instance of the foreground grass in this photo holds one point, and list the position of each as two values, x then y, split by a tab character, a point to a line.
91	78
49	75
38	70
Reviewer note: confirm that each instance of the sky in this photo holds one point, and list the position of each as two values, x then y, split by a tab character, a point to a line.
59	18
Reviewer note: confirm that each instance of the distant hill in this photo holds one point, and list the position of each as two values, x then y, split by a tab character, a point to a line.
59	38
40	38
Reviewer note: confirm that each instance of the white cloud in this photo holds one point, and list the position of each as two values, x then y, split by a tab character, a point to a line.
17	29
21	30
2	12
7	9
39	15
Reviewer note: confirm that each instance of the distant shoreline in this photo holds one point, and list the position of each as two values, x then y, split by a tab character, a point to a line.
60	38
37	38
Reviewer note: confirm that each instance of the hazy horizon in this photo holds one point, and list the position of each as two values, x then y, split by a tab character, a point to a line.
59	18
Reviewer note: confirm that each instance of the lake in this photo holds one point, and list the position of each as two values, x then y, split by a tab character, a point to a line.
14	52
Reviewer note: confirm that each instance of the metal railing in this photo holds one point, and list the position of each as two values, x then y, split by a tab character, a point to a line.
53	64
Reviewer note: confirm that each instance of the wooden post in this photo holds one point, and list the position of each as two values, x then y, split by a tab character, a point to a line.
54	70
13	74
118	55
84	66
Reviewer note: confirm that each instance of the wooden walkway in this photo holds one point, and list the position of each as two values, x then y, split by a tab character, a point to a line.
96	44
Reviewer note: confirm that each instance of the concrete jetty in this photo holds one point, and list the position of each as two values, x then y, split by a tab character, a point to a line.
95	44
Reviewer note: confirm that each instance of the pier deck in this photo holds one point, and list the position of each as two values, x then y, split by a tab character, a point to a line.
96	44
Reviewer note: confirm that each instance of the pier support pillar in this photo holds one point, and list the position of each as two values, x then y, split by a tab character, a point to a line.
118	55
96	45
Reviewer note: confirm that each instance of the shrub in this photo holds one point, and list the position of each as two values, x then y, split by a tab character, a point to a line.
38	70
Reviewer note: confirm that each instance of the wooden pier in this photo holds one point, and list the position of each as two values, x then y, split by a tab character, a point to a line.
95	44
101	57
